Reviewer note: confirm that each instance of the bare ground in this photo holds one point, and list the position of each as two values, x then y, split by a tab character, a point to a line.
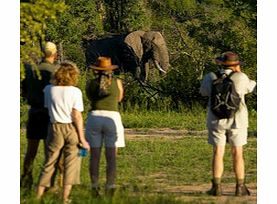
194	193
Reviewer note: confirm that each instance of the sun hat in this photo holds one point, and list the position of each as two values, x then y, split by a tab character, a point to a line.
50	48
104	64
228	59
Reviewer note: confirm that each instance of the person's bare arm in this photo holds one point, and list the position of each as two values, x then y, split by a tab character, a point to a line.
121	90
79	124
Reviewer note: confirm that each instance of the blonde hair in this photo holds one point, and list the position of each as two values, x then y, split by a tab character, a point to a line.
50	49
66	75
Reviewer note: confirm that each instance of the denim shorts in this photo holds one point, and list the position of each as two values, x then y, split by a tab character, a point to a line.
105	128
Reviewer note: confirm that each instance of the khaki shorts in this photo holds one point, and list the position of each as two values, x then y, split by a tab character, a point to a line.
235	137
105	127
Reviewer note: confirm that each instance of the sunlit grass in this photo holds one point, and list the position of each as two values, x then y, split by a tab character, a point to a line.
149	164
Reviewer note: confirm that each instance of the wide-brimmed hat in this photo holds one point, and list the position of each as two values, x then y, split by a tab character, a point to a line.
228	59
104	64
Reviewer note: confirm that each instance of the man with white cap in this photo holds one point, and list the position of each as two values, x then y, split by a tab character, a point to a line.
38	119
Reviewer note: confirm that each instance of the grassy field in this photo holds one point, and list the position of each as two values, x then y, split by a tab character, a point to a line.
186	118
158	169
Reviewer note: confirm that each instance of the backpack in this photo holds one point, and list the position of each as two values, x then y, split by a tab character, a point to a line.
224	100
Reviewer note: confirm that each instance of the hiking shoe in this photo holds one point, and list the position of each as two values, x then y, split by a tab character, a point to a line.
216	190
242	190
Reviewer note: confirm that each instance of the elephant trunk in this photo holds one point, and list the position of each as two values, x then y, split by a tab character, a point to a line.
161	57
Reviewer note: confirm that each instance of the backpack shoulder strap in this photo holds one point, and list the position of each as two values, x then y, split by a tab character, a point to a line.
229	75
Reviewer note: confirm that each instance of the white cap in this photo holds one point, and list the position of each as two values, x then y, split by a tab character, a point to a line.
50	48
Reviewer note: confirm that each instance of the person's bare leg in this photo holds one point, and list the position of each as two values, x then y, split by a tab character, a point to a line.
239	169
111	165
40	191
66	192
94	166
238	162
218	166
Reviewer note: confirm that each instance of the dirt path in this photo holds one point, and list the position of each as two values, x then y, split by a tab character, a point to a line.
169	132
163	132
195	193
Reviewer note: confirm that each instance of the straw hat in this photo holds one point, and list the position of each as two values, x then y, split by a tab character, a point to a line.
104	64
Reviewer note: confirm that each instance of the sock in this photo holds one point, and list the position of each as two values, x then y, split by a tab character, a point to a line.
240	181
217	180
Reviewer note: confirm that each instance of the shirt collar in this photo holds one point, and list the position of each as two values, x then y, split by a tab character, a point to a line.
225	71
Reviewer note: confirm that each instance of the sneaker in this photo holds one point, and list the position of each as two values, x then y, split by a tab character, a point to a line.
216	189
242	190
95	192
67	201
110	190
26	181
53	189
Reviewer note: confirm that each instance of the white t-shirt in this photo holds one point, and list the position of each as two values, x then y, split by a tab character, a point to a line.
60	100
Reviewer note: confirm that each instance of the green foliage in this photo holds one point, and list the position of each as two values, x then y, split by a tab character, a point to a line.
196	31
81	20
126	15
23	112
138	17
34	16
199	32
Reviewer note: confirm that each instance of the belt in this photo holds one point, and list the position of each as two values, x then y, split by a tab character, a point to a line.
60	123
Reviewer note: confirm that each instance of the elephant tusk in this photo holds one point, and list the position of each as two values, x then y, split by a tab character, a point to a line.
158	66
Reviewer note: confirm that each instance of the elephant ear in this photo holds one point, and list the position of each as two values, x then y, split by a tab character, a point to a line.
134	40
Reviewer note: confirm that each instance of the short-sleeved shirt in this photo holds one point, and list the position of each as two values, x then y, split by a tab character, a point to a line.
33	84
243	85
60	100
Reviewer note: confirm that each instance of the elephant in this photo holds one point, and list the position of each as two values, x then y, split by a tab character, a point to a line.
132	52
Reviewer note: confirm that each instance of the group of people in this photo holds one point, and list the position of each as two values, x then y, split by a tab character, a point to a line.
55	116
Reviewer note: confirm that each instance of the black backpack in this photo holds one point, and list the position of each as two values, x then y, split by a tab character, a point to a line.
224	100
